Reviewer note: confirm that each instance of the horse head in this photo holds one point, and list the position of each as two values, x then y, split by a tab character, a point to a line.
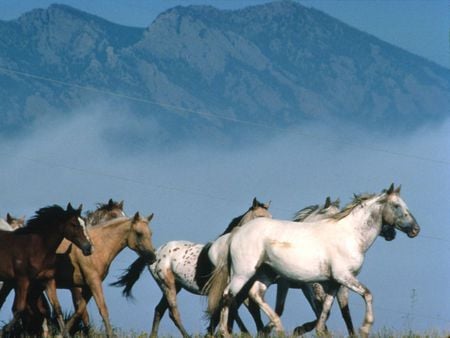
14	222
396	214
140	238
105	212
258	209
74	229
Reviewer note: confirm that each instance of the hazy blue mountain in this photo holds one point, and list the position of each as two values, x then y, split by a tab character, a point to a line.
277	64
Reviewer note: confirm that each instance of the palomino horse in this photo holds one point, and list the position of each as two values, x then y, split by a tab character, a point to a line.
29	253
74	270
184	265
330	250
104	212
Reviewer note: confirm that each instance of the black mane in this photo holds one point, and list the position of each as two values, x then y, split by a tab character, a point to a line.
44	218
233	224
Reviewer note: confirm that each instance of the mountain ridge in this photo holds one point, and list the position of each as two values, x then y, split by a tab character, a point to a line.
279	63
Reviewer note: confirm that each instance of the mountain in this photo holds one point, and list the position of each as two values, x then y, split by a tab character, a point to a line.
279	64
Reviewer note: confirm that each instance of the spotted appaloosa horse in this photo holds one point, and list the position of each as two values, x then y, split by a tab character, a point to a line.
184	265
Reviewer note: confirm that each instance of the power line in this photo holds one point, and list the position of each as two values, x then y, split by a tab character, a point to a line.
172	108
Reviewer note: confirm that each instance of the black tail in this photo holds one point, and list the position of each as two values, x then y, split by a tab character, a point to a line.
130	276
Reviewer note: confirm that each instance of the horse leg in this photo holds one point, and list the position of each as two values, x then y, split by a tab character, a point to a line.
54	301
20	302
170	290
257	292
95	284
353	284
79	309
160	309
77	295
342	298
315	295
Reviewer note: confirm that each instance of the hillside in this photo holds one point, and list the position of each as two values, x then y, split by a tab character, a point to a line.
277	64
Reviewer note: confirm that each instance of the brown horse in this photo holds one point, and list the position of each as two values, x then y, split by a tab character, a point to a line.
105	212
29	253
76	271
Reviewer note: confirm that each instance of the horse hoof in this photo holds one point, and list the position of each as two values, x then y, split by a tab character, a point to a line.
299	331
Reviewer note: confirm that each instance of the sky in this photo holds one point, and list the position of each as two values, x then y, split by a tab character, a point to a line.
196	190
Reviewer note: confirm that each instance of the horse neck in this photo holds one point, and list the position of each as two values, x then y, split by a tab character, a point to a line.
365	223
112	238
52	238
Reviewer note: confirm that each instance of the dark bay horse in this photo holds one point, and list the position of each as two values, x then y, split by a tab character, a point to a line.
29	254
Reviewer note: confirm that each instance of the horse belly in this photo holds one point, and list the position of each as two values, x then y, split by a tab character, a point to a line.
184	266
305	264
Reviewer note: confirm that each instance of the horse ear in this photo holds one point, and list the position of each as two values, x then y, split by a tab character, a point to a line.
267	205
121	204
255	203
150	217
136	216
9	219
327	202
80	208
391	189
110	202
398	189
69	207
337	203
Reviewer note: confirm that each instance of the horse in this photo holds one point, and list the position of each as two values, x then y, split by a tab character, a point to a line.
330	250
105	212
29	254
11	223
315	292
184	265
73	270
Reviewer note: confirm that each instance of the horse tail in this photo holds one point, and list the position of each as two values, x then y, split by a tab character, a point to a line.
130	276
216	284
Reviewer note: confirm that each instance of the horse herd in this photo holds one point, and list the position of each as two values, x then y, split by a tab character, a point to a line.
320	252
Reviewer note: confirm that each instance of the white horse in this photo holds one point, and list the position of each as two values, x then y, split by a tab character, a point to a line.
315	292
185	265
331	250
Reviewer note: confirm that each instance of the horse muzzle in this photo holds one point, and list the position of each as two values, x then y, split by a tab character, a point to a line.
413	231
87	249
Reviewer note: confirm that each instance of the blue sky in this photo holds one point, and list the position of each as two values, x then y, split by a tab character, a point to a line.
419	26
195	191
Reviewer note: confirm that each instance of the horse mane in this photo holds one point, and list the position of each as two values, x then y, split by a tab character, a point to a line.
357	201
237	220
44	218
305	212
234	223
